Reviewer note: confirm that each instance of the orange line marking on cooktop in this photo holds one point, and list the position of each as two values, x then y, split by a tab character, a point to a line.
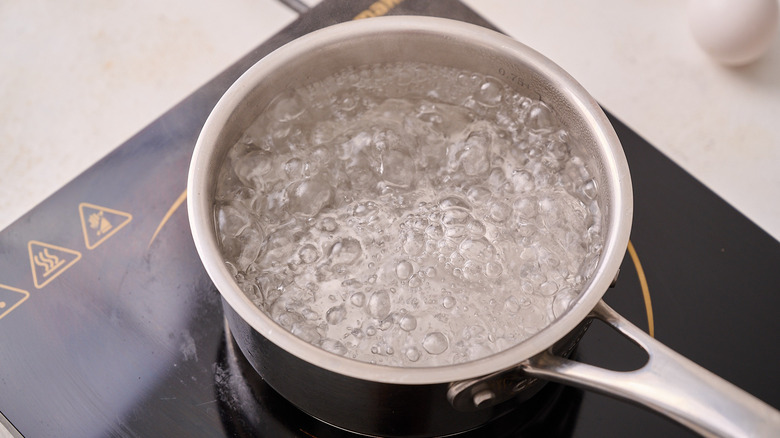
645	289
176	204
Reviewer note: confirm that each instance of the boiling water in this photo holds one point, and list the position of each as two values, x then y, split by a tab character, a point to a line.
409	215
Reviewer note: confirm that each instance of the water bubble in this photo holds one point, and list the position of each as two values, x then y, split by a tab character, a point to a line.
416	280
536	277
544	178
328	224
489	93
306	331
231	220
379	304
548	288
525	229
479	195
345	251
334	346
455	232
414	244
348	103
493	269
558	153
512	305
413	354
526	207
539	117
404	270
308	253
448	302
457	259
284	317
497	178
434	231
293	168
418	224
522	181
288	107
363	208
335	314
455	217
358	299
310	314
308	197
563	301
478	249
360	174
475	159
476	228
386	323
408	323
472	270
435	343
352	283
526	288
249	244
589	189
533	319
454	202
499	212
549	260
398	168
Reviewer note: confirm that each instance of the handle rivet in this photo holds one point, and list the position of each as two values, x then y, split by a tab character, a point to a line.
483	398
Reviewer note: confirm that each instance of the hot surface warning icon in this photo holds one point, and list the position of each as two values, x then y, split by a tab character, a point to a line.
10	298
49	261
100	223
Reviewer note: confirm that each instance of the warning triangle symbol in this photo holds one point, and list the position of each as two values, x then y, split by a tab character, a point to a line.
99	223
10	298
49	261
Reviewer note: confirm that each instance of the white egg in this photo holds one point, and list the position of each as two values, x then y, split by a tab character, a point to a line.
733	32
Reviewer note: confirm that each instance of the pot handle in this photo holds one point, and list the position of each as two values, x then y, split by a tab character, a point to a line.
668	383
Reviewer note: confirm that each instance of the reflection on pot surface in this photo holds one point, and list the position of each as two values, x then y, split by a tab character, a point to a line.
249	407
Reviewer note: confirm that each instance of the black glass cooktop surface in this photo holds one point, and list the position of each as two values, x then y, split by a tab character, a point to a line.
109	326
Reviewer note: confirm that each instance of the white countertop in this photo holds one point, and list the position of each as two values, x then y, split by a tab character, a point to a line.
79	78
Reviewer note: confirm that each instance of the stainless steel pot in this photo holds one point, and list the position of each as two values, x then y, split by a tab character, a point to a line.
382	400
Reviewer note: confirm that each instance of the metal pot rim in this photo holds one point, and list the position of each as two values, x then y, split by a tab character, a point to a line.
615	168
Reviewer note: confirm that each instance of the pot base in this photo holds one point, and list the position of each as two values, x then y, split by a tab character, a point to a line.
249	406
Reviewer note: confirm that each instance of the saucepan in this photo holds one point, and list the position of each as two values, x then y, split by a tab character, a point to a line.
384	400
